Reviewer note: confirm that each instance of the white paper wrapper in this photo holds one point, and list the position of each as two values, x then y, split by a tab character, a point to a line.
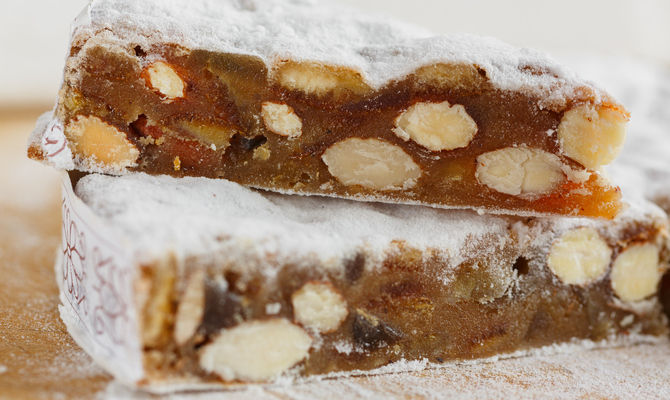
95	277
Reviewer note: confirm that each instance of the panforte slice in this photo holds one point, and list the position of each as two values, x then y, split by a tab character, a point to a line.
205	282
309	98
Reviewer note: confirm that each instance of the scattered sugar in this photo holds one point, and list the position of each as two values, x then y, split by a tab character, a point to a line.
380	49
345	347
272	308
3	369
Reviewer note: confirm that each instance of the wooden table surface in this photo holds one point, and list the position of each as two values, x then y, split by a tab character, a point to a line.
39	360
37	355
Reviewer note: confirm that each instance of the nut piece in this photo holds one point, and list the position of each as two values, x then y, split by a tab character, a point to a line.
256	350
519	170
262	152
211	135
579	257
320	79
591	136
318	306
281	119
90	137
162	78
191	308
636	272
436	126
372	163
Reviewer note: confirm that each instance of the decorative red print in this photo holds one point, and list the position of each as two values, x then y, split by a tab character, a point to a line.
54	141
93	282
111	315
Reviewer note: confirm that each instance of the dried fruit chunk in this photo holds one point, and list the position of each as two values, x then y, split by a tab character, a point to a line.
223	307
191	308
281	119
212	135
369	331
162	78
318	306
319	79
519	170
256	350
90	137
453	76
372	163
580	256
436	126
636	272
157	285
592	136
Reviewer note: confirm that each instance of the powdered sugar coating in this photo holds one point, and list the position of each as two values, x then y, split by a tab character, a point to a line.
256	230
380	49
201	217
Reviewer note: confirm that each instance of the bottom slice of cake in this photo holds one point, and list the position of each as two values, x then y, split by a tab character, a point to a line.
191	282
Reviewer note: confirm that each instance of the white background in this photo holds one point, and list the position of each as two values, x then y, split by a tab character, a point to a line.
34	34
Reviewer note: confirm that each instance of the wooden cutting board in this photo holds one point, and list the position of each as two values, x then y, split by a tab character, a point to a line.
39	360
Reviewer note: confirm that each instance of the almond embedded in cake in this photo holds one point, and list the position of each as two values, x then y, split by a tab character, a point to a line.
310	98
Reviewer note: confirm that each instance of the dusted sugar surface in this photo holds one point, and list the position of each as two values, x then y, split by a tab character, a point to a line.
307	30
200	216
219	219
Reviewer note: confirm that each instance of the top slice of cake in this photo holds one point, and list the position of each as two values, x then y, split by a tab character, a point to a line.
309	98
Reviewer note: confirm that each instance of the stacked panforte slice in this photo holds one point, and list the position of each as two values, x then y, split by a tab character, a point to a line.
189	280
207	281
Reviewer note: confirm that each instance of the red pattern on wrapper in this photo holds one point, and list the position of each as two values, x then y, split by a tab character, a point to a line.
54	141
110	316
74	257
